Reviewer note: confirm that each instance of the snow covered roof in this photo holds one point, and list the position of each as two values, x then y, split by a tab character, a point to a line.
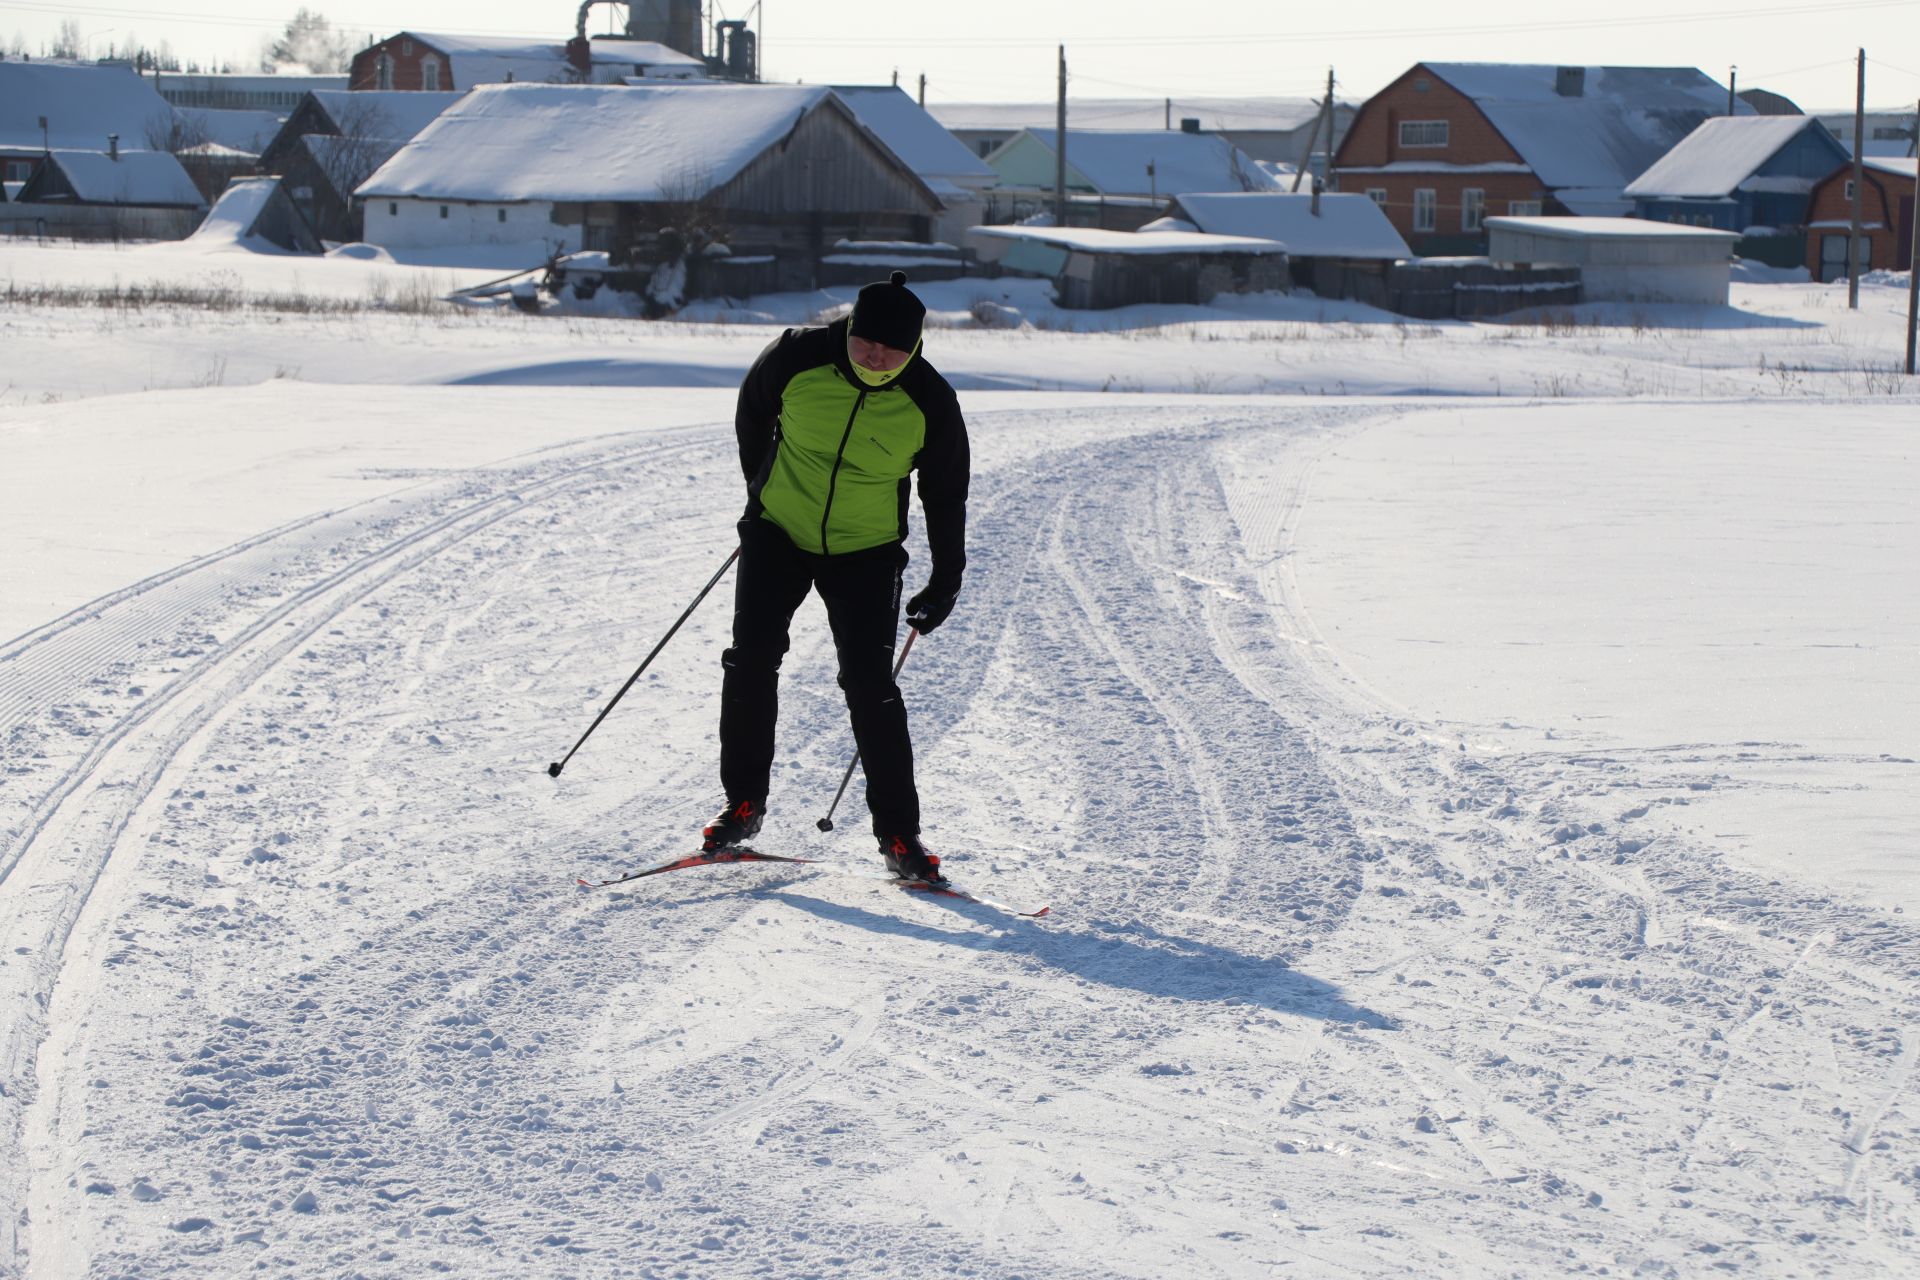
136	178
1620	122
1715	159
248	131
1899	166
1115	163
911	133
619	51
511	142
1350	225
383	113
1589	228
1215	114
478	60
82	106
1095	240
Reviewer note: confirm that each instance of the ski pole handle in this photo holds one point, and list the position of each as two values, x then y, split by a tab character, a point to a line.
826	823
553	770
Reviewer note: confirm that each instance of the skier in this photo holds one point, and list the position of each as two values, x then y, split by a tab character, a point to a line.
831	421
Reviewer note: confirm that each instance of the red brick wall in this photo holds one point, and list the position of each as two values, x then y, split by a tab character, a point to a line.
1374	136
1884	199
1374	140
409	55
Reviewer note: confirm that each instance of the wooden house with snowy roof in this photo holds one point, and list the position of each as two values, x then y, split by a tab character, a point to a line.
759	181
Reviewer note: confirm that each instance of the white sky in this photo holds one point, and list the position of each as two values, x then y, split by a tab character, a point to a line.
1003	50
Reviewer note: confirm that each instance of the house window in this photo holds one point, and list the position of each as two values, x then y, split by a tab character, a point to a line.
986	146
383	73
1473	208
443	211
406	48
19	170
1422	85
1378	195
430	75
393	208
1523	208
502	213
1423	133
1424	206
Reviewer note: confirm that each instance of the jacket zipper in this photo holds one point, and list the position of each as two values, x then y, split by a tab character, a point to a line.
834	478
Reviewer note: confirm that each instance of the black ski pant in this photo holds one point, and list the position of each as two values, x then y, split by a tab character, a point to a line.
861	591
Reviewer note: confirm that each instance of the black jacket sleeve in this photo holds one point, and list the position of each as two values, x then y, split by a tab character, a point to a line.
945	463
757	415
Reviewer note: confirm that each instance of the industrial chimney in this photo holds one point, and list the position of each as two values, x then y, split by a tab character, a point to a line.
674	23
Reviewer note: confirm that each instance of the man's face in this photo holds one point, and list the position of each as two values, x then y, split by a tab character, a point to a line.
877	356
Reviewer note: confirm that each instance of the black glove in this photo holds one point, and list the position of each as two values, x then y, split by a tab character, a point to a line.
930	608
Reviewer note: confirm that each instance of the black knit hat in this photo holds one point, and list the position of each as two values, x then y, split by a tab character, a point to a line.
888	312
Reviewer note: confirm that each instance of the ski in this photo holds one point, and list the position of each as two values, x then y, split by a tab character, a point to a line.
708	858
741	853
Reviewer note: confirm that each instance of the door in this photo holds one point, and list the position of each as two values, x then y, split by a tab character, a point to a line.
1833	256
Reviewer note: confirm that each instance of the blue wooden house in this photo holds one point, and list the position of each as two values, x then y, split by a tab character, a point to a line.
1748	174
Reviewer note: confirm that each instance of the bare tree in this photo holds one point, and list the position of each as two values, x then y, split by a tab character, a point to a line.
175	133
310	42
67	40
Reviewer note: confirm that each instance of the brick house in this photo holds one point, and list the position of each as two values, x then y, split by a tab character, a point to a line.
421	61
1447	145
1886	218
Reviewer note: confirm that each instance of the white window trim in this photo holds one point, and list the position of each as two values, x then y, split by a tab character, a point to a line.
1426	209
1473	209
1523	208
1445	127
430	74
1378	195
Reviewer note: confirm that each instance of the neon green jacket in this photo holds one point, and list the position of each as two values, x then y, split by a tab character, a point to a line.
828	459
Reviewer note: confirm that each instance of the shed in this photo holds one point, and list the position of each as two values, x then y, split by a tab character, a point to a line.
1739	173
1886	218
1622	259
139	179
1095	269
642	172
255	212
1338	245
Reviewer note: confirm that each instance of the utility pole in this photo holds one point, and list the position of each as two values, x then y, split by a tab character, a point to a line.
1913	270
1859	183
1060	147
1324	115
923	90
1169	115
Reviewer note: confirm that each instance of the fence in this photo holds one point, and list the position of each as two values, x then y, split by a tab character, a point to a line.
1474	290
111	223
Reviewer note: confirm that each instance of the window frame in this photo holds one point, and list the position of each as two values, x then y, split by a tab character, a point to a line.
1525	208
1426	209
1473	209
430	74
1378	195
1444	126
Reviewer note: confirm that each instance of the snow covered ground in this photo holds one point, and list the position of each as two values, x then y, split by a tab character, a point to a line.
1480	827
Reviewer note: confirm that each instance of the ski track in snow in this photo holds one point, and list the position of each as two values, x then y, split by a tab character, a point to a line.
300	980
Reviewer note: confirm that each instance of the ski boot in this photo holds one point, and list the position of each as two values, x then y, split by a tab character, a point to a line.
735	824
907	858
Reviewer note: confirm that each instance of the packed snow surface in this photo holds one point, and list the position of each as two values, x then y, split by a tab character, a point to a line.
1478	828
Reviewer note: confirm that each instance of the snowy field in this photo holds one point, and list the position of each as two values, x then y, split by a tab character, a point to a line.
1473	769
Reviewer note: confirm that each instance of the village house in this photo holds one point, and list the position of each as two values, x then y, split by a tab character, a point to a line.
753	183
393	116
1116	180
1446	145
1277	130
62	107
1750	174
1886	218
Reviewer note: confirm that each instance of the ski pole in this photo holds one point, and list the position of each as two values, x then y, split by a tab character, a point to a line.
826	823
553	770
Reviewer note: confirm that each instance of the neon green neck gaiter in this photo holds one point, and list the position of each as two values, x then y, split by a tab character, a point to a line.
873	377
